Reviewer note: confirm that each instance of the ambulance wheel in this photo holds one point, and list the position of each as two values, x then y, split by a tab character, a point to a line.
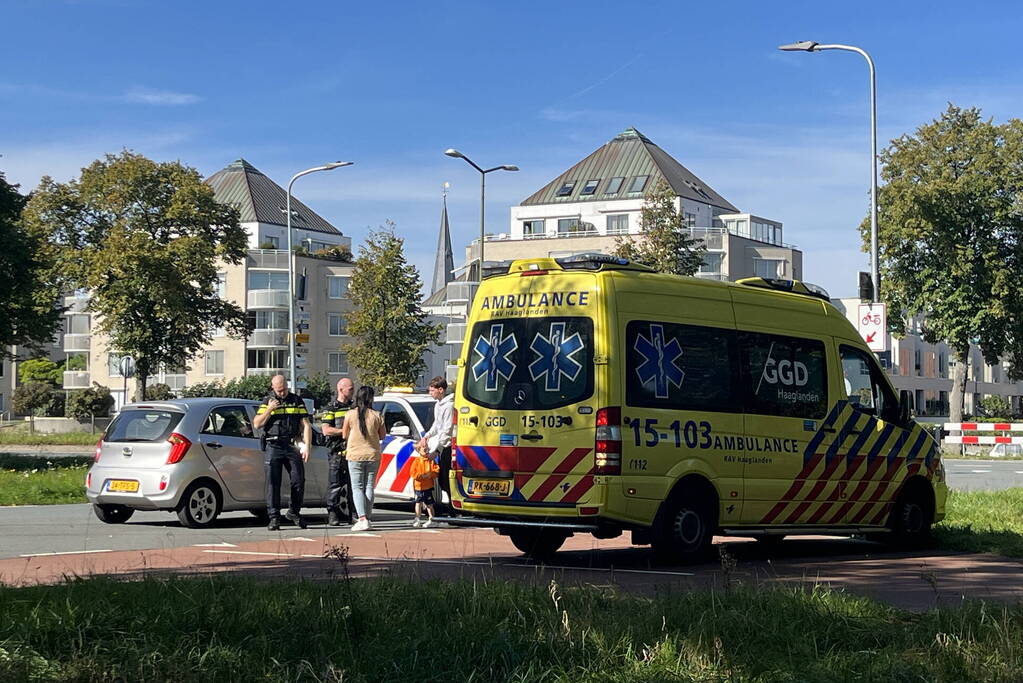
537	544
912	515
684	530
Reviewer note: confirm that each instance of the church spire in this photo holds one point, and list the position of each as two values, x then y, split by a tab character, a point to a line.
445	262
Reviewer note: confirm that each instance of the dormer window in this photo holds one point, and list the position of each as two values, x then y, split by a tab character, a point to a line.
566	189
590	187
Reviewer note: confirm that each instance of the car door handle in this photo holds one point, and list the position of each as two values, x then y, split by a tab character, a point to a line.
532	436
213	444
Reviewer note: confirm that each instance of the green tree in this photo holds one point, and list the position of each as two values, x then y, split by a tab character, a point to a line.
29	315
85	404
950	237
665	243
320	388
41	370
144	239
35	399
159	392
388	324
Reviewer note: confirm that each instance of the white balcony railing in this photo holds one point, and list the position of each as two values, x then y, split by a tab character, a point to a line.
267	298
455	333
461	292
76	379
263	338
268	258
266	371
77	342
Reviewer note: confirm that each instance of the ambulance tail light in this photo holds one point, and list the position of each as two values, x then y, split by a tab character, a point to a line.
179	446
454	441
608	441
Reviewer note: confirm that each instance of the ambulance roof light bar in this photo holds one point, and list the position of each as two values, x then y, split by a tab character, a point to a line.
791	286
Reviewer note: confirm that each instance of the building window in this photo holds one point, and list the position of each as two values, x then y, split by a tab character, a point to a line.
77	324
268	279
114	364
916	361
336	326
690	220
337	286
221	286
274	242
214	362
337	364
768	268
268	320
566	189
535	228
568	226
638	183
618	224
3	368
590	187
614	185
712	263
266	359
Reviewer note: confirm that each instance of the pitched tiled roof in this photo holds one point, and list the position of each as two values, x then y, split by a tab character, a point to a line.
260	199
628	155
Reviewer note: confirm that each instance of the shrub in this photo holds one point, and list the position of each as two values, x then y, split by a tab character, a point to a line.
253	387
995	406
35	398
203	390
319	388
95	401
159	392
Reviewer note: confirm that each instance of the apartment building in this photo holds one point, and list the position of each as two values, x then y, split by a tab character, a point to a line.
926	370
259	285
599	199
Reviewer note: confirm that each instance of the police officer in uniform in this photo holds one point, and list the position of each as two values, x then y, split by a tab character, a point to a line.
339	479
281	417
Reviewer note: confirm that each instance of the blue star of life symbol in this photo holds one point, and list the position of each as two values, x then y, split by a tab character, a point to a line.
555	357
494	354
659	359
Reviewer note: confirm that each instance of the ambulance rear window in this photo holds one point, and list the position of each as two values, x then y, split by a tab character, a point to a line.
530	363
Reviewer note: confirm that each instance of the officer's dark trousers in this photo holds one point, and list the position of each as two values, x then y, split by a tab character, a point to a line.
276	459
338	480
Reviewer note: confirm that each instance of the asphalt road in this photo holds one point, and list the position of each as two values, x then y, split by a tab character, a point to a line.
983	475
56	529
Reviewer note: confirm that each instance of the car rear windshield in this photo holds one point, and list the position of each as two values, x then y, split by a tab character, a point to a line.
142	425
530	363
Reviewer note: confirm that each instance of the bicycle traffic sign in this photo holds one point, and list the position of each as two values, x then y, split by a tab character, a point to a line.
872	324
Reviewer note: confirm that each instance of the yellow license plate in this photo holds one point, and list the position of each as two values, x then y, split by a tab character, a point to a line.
490	487
126	485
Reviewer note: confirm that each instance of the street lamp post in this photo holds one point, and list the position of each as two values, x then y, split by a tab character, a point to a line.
811	46
291	265
483	184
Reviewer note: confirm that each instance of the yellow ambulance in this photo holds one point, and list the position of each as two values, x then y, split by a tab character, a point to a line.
597	396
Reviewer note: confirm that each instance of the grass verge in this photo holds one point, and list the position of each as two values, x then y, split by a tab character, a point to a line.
21	437
237	628
983	521
27	480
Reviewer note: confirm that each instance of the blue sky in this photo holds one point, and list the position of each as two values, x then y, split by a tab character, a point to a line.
537	84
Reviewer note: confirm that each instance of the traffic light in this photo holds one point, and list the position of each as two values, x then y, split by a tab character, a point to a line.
866	287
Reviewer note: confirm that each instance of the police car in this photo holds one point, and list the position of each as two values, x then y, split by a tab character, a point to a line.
407	416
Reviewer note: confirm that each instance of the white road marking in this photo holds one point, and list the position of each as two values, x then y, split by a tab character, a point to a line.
358	533
301	538
67	552
981	471
225	544
523	566
248	552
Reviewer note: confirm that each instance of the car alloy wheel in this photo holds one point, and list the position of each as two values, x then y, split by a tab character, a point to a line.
200	505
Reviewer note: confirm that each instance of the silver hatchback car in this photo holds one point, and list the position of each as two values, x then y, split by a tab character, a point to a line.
197	457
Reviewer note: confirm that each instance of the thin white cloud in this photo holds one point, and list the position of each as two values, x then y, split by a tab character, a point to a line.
159	97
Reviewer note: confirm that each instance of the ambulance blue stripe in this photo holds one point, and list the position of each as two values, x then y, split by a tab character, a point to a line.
920	441
811	446
867	430
897	448
886	434
840	438
931	452
481	453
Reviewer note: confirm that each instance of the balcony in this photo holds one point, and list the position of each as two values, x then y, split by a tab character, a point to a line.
264	338
714	238
455	333
266	372
267	298
77	342
461	292
268	258
76	379
75	304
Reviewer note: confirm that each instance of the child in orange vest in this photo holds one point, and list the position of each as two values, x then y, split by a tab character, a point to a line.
424	471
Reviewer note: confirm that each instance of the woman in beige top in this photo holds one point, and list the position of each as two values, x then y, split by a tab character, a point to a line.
362	430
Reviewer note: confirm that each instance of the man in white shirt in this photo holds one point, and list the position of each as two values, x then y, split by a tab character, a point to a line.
437	439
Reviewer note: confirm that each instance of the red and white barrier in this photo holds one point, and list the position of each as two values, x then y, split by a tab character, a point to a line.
983	440
983	427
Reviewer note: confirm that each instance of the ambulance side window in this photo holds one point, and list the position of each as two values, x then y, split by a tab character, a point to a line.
681	367
784	376
864	387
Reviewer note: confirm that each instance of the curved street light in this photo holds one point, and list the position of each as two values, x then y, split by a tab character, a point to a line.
452	152
291	265
811	46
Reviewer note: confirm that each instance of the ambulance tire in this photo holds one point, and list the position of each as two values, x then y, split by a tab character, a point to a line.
684	529
912	515
537	544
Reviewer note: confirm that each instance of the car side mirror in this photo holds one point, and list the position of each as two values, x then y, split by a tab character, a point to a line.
905	406
400	429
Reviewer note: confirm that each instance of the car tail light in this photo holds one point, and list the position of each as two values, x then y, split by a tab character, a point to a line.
454	440
88	480
608	441
527	273
99	450
179	446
